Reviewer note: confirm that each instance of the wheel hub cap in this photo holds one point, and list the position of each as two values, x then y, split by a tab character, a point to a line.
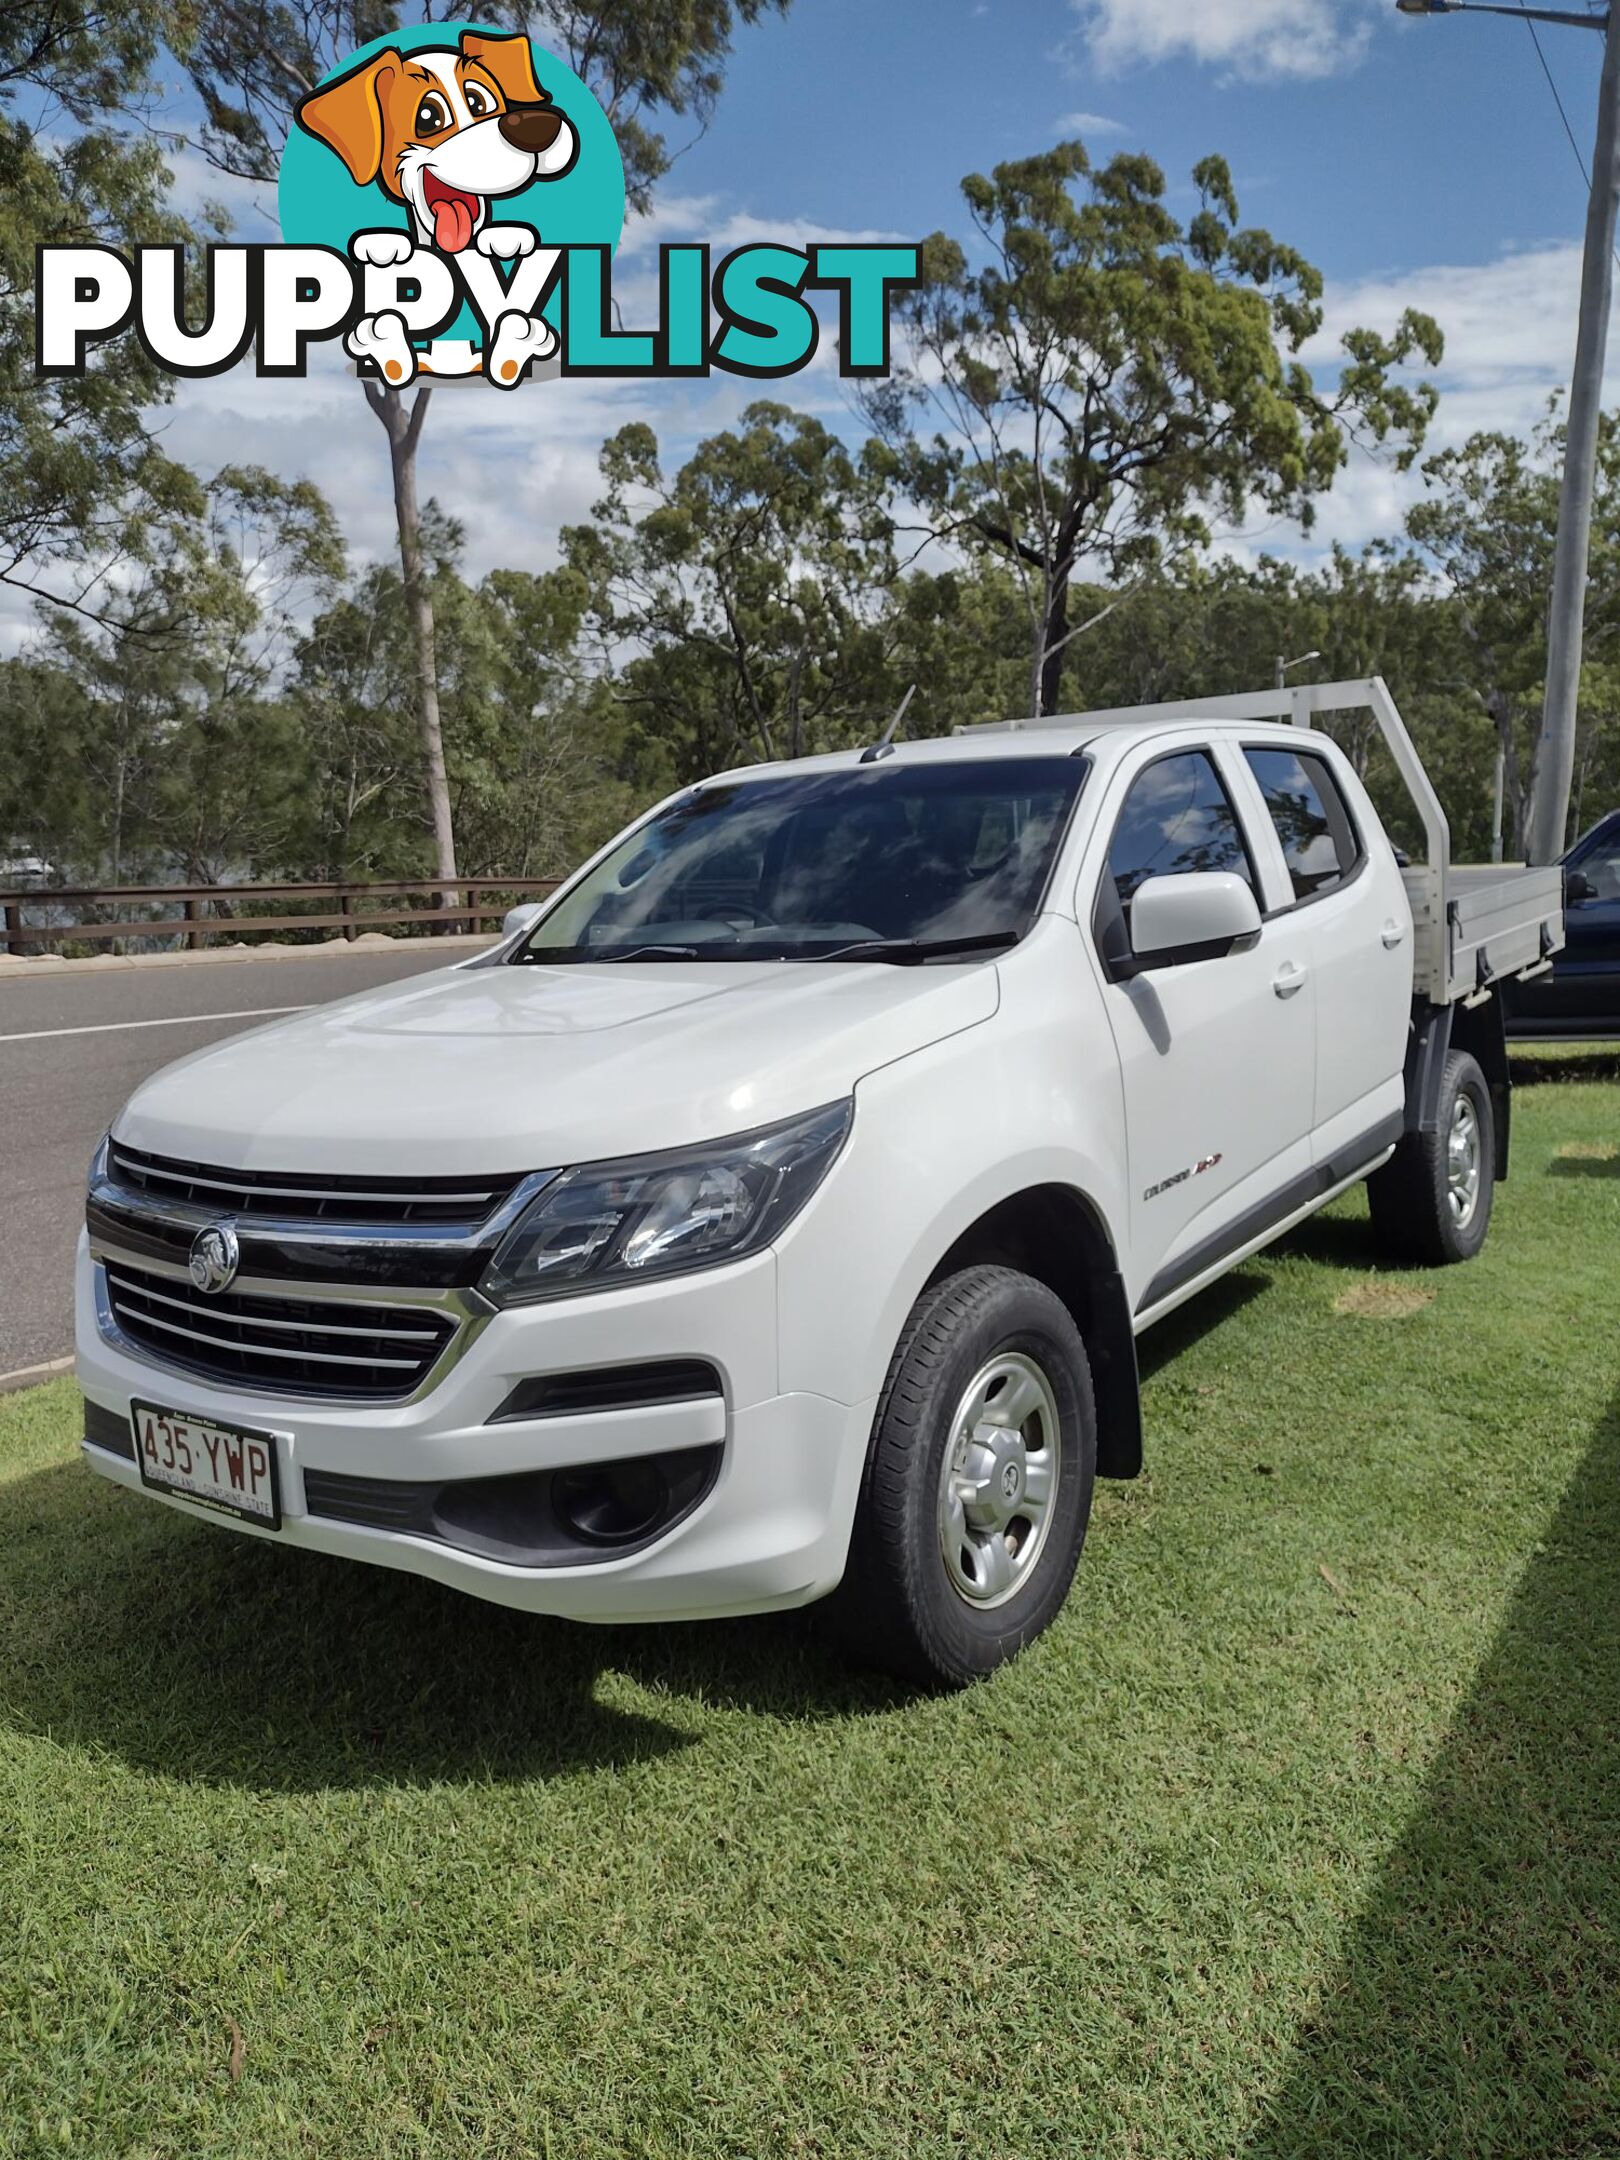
999	1479
1463	1162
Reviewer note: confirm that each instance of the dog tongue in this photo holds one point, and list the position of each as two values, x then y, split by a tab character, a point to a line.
452	224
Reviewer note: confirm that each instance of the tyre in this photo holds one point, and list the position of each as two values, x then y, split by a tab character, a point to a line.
977	1487
1431	1202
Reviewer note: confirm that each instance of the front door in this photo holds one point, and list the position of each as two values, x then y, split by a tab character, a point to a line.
1217	1056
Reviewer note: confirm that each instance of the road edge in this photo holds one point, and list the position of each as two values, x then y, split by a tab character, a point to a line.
27	1376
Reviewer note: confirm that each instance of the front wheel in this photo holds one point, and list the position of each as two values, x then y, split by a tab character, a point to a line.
977	1487
1431	1202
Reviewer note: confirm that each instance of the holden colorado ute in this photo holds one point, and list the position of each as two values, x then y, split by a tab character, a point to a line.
770	1217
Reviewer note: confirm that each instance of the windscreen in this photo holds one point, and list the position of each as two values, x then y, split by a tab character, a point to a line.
884	861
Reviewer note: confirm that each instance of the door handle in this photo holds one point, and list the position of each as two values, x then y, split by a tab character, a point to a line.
1391	935
1288	979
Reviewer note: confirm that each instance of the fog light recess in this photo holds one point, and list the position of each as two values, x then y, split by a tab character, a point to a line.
612	1503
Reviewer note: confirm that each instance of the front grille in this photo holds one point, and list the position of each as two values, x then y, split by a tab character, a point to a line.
280	1345
456	1203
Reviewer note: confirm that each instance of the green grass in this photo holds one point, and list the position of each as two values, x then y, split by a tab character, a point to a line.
1300	1834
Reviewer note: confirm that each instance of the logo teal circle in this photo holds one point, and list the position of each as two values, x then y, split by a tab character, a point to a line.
321	205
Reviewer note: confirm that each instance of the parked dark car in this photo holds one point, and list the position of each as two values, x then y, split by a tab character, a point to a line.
1579	998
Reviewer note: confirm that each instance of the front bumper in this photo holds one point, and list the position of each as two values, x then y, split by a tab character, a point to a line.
771	1531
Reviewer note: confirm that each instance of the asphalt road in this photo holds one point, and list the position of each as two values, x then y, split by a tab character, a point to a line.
72	1047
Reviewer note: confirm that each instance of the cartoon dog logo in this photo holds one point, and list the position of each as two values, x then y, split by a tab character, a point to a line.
446	131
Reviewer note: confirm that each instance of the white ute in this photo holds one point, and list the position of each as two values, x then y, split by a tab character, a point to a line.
773	1215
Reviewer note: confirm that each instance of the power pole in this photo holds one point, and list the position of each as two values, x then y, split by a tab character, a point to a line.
1555	752
1566	613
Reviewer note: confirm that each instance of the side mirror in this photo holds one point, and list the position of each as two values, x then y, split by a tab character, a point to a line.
1191	915
519	918
1578	886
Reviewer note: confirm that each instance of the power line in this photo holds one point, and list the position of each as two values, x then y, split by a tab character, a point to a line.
1580	161
1535	39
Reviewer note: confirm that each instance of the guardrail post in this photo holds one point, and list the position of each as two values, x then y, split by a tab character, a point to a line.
346	910
13	926
193	937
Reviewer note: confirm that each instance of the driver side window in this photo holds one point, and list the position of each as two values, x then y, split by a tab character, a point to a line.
1177	817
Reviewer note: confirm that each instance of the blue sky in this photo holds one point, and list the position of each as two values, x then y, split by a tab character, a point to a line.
1372	142
1416	162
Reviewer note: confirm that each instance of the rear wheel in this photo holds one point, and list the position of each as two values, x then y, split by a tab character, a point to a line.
977	1488
1431	1202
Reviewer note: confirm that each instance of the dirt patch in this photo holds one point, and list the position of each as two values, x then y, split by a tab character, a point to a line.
1375	1300
1587	1151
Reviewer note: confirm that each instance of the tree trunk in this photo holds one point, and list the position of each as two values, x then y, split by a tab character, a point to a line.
1053	650
1516	791
404	432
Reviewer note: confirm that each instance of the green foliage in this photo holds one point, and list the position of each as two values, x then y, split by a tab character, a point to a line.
85	488
90	62
1489	526
1096	384
152	741
532	741
751	589
1222	627
643	62
1092	387
250	62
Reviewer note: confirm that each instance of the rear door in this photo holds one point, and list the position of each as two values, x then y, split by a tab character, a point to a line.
1347	896
1217	1056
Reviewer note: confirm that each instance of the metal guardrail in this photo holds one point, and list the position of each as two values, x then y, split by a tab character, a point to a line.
206	912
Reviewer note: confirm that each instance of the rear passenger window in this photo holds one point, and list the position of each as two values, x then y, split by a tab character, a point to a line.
1177	817
1313	824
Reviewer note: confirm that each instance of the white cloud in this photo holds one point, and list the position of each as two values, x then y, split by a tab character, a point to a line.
513	467
1088	123
1248	37
1510	339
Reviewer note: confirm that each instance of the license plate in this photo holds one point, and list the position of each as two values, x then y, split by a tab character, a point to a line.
225	1467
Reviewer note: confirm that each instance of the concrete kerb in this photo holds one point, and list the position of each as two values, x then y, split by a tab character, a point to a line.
27	1376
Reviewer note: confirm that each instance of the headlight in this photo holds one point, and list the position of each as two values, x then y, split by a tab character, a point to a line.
611	1223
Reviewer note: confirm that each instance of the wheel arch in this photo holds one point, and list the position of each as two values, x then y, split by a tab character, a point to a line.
1055	1234
1436	1031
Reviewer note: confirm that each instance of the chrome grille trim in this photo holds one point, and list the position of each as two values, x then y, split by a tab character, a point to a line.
454	1212
461	1315
224	1342
305	1327
441	1238
317	1194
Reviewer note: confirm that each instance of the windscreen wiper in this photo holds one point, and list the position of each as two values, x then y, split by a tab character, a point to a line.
910	952
596	955
652	952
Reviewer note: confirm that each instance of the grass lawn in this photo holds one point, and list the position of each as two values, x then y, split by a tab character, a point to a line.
1300	1833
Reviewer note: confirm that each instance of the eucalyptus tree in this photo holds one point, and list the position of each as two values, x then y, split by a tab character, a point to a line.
85	485
153	739
1089	385
1488	524
252	60
748	588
